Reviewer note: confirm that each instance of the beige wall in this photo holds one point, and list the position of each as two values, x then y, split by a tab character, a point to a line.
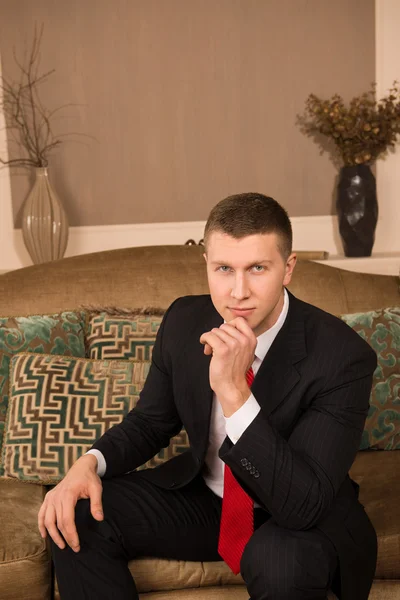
189	100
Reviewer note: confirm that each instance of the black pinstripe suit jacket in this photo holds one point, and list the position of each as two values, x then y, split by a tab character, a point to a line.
313	387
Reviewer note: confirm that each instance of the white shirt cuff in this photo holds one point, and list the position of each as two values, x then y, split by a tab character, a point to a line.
237	423
101	461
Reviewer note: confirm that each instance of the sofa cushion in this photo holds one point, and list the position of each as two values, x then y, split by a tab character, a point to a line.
59	406
378	474
228	592
24	561
381	590
122	334
381	329
61	333
152	574
157	574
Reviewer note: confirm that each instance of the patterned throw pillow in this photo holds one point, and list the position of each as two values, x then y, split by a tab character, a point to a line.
59	406
53	334
113	332
381	329
122	335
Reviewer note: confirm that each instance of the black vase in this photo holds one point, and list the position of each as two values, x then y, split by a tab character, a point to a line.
357	209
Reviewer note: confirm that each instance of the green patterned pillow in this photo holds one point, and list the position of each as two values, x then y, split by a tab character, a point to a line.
52	334
381	329
60	405
114	332
122	335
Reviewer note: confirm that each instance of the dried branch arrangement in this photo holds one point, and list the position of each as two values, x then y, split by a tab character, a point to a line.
27	120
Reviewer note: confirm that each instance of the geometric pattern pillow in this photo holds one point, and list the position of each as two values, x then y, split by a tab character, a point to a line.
129	333
59	406
61	333
381	329
122	335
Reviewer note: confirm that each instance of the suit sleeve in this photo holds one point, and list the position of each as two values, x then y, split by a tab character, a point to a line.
298	478
150	425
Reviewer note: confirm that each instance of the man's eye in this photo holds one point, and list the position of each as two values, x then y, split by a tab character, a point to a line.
259	268
223	268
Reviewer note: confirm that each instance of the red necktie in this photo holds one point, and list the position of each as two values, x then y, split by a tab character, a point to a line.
237	523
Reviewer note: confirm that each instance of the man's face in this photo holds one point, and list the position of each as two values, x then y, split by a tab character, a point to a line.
246	277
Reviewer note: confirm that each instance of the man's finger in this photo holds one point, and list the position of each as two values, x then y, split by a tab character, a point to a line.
50	523
96	506
42	512
211	339
229	338
67	526
234	332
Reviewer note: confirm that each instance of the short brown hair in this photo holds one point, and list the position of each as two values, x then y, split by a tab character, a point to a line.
249	214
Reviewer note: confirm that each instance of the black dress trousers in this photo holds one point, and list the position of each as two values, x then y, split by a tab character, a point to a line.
143	520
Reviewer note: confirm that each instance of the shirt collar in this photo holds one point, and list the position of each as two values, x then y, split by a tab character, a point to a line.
264	341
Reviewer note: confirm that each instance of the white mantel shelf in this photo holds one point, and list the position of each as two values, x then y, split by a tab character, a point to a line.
379	263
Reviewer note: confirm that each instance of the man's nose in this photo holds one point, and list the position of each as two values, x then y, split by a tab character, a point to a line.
240	288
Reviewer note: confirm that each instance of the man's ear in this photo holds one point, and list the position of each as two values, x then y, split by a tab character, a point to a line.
290	265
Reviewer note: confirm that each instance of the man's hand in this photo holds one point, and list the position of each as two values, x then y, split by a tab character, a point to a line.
232	347
57	513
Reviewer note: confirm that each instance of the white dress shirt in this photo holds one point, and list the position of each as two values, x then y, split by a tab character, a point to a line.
221	426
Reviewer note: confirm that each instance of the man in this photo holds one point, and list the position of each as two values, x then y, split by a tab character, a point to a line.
278	449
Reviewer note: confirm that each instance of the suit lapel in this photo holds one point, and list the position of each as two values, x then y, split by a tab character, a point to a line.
277	374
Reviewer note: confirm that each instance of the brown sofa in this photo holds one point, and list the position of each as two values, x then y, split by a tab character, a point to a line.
154	276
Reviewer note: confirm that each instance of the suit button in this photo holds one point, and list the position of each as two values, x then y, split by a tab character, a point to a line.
249	466
256	474
252	470
244	462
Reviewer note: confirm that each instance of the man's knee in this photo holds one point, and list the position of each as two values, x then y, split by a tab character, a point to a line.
265	568
83	516
281	564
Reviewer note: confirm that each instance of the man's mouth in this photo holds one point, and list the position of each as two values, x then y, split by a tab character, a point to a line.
241	312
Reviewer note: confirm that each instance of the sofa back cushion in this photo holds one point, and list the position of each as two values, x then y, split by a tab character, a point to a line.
157	275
